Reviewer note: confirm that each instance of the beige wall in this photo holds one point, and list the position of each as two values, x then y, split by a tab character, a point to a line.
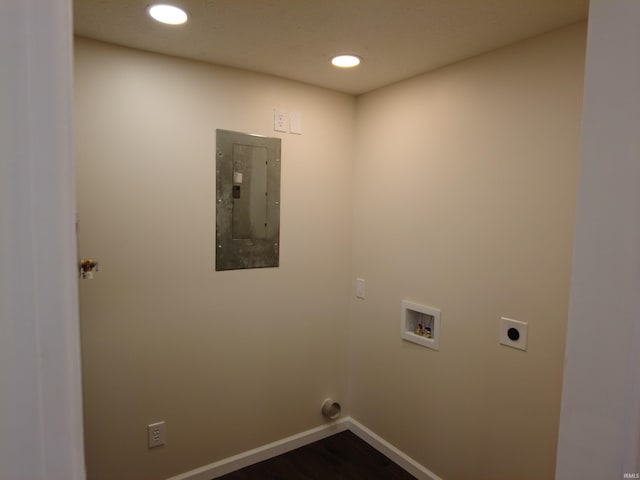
460	195
465	185
230	360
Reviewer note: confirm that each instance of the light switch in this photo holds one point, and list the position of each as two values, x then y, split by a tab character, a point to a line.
295	123
361	288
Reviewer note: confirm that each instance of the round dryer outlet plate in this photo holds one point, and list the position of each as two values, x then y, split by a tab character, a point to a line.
513	333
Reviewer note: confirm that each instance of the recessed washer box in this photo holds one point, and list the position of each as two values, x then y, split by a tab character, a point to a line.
420	324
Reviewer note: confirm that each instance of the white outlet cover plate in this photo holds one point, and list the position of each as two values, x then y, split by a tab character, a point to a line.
505	325
280	121
156	434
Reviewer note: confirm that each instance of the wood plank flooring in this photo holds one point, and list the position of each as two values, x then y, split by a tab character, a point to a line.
342	456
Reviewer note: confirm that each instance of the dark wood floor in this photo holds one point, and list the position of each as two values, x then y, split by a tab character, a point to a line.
340	457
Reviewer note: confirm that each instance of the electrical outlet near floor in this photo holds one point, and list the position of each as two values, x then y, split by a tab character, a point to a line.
156	434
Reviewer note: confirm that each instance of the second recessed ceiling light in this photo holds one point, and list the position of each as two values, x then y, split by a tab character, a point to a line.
345	61
168	14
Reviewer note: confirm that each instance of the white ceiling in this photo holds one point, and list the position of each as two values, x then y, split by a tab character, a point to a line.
295	39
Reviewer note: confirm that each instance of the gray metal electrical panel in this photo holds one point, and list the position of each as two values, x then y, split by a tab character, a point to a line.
247	201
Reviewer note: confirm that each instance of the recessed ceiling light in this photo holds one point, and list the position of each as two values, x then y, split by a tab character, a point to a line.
167	14
345	61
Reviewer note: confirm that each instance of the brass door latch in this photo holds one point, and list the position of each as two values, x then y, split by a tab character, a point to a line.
87	268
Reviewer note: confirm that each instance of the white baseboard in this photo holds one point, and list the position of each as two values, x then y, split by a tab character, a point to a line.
244	459
231	464
405	461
